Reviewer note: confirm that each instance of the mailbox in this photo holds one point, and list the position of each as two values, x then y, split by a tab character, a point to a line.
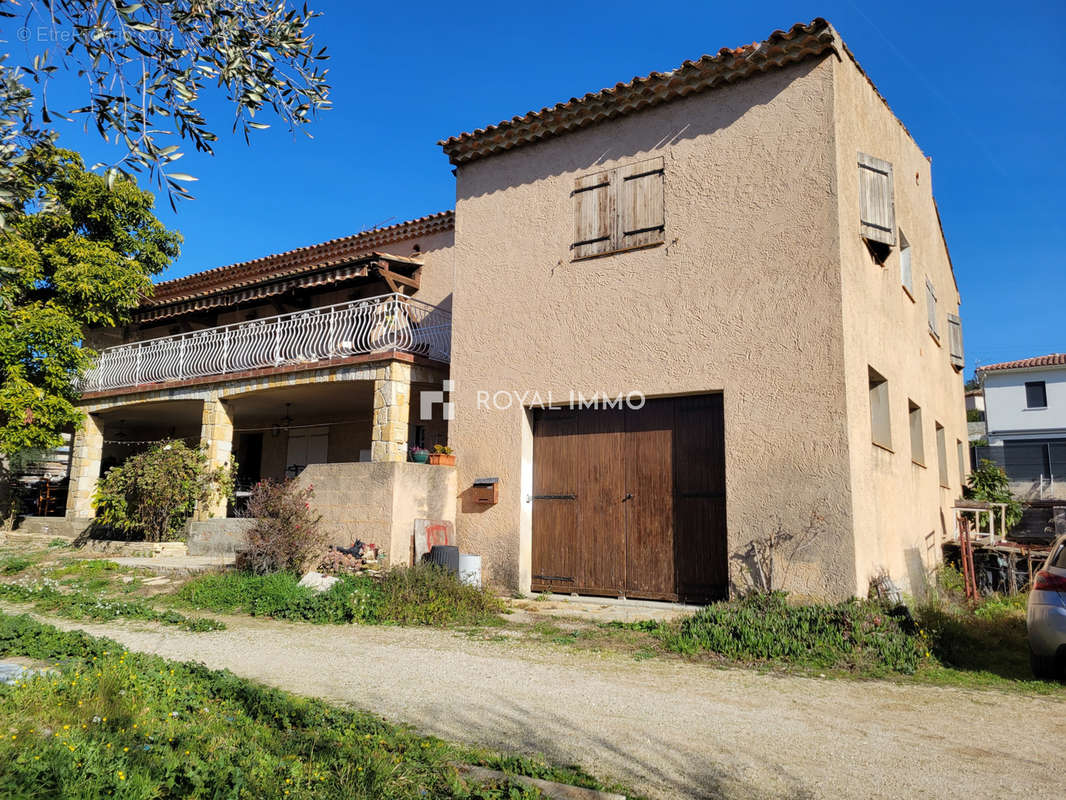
487	491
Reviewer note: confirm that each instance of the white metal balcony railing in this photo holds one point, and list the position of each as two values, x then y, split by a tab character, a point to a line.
385	322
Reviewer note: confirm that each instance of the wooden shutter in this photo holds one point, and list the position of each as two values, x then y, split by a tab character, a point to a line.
955	341
640	204
593	215
930	305
877	207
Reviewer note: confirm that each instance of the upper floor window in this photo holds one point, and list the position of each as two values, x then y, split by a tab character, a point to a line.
906	272
880	413
942	455
930	305
619	209
877	208
917	444
1035	394
958	359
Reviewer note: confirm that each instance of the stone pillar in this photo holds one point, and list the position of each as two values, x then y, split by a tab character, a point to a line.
216	437
85	454
392	411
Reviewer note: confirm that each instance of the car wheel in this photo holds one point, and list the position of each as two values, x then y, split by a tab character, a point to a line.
1044	667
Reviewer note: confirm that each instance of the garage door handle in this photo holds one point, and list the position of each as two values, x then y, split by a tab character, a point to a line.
627	497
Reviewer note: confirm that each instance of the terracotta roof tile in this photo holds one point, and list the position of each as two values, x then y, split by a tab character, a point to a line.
781	48
295	262
1053	360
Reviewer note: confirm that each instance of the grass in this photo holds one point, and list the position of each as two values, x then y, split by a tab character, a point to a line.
106	722
86	568
77	604
982	645
422	595
13	565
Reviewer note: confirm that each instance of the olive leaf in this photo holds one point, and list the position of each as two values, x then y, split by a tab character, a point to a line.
147	69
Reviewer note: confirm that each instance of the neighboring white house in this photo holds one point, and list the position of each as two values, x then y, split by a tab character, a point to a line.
1025	414
975	428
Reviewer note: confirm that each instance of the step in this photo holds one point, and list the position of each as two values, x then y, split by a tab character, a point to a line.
212	537
111	547
53	527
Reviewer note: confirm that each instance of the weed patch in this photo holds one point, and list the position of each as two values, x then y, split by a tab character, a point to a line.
854	636
82	605
423	595
112	723
988	639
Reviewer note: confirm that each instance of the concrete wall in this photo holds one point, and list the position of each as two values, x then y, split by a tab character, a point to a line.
900	509
1007	415
379	502
743	298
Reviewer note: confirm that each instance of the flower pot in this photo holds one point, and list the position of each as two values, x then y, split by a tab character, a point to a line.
442	459
420	456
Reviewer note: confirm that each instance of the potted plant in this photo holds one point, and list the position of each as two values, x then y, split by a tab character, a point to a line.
419	455
442	455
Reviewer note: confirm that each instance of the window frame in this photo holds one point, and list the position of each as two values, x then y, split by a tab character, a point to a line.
1043	391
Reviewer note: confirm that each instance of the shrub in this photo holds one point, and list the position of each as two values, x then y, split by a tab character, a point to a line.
426	594
155	491
287	535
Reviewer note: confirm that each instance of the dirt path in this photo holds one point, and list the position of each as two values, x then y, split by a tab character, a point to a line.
668	729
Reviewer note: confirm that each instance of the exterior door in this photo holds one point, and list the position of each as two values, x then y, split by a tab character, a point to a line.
631	502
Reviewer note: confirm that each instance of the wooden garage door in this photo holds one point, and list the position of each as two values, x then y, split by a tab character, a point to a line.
631	501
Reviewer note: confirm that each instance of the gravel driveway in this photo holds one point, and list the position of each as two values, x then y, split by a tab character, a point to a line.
668	729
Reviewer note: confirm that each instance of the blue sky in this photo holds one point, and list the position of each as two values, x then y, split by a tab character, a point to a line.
979	85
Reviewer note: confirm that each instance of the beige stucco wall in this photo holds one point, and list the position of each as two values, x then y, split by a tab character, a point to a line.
380	502
900	510
744	299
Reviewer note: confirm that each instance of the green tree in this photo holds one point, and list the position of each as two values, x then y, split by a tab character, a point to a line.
990	483
146	68
153	492
75	253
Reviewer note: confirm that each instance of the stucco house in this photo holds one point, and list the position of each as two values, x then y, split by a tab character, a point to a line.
1025	412
675	317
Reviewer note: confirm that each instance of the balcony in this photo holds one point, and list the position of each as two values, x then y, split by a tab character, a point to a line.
371	325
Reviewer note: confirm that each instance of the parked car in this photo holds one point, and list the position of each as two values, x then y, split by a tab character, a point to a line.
1046	616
